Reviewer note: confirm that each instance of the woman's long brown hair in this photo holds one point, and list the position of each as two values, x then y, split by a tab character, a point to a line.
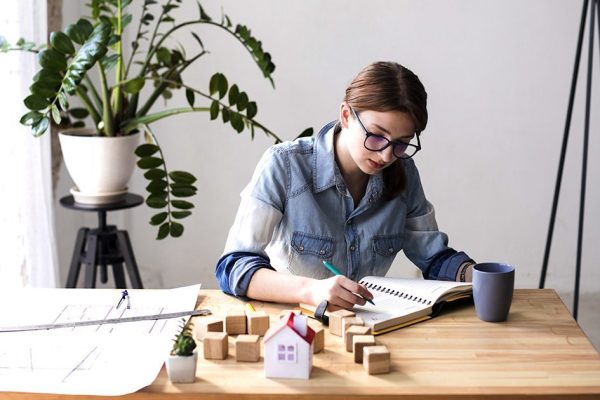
388	86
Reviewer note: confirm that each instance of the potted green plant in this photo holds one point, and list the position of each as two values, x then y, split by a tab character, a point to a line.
121	110
181	364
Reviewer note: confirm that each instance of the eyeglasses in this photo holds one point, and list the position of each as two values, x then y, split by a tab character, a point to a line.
401	149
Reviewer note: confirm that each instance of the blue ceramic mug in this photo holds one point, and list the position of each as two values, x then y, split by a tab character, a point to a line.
493	285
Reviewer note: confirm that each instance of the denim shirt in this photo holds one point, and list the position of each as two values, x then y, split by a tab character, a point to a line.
296	212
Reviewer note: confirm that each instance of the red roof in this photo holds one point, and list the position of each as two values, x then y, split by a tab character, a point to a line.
289	322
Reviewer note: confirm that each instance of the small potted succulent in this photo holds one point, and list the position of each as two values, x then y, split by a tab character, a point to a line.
181	364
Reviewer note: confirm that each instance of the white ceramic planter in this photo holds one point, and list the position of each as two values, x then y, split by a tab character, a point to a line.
182	369
100	166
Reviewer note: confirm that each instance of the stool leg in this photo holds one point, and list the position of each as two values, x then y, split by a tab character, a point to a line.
91	260
130	264
119	276
76	259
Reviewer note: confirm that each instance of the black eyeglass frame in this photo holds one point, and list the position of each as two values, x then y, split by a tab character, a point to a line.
368	134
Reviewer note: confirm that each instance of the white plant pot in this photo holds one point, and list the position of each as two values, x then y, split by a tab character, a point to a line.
182	369
100	166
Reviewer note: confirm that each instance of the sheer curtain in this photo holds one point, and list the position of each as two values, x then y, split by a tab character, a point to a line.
27	239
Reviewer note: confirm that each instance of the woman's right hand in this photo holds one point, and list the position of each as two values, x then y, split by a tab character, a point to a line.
337	290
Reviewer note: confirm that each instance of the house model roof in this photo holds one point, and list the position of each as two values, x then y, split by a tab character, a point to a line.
289	322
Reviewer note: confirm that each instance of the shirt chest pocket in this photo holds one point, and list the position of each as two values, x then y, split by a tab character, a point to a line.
385	248
308	244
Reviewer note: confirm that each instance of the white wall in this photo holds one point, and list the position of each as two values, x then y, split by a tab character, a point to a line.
497	74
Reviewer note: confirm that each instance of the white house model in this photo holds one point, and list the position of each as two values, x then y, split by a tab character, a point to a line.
288	348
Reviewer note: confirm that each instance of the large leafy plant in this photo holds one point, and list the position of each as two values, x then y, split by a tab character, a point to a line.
116	106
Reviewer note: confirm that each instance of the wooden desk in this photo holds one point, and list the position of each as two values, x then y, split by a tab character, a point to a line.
539	352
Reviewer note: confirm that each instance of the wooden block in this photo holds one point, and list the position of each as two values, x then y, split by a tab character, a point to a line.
359	342
247	348
216	345
335	321
376	360
258	323
235	322
319	340
207	324
352	331
348	322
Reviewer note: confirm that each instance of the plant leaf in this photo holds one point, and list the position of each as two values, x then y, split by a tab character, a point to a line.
159	218
155	173
242	101
214	110
62	100
176	229
55	114
156	201
43	89
182	204
182	177
31	118
222	86
40	127
183	192
149	162
79	31
146	150
251	110
134	85
52	60
189	95
180	214
213	86
62	43
225	115
35	103
157	186
233	94
163	231
198	40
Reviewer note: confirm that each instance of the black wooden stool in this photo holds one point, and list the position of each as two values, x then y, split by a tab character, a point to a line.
105	245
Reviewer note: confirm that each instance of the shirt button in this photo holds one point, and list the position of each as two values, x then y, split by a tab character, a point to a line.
391	249
352	248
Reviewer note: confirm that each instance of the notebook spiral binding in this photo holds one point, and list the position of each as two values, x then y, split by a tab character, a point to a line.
397	293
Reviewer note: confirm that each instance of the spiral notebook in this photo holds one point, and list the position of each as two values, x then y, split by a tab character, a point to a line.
401	302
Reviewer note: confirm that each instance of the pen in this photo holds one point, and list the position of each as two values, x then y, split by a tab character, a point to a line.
124	295
250	308
335	271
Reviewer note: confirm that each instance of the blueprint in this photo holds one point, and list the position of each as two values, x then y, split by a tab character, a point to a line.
104	359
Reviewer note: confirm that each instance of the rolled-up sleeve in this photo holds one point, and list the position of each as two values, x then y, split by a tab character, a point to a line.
261	209
424	244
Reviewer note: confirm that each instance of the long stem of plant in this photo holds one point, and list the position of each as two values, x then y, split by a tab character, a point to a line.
92	88
89	106
136	43
107	115
118	99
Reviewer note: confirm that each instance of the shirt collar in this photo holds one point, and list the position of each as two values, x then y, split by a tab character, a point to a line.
324	167
324	159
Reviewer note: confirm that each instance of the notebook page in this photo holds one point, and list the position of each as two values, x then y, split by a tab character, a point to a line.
388	306
413	290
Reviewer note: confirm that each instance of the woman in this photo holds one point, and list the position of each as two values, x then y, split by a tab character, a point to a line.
351	196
